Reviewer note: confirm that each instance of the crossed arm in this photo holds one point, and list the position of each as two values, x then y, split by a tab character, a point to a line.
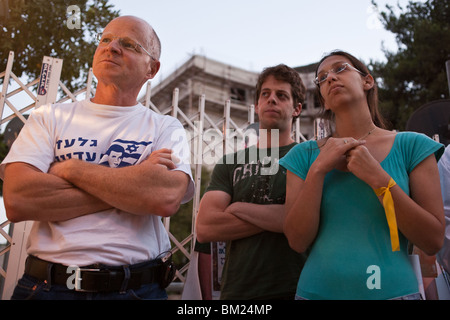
220	220
74	188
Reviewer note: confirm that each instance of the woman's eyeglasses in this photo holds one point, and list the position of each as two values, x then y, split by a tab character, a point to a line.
323	76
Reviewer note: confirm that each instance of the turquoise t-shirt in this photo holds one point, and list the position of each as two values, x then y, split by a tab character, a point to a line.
351	257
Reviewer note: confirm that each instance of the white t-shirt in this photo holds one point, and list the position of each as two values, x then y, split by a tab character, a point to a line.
108	135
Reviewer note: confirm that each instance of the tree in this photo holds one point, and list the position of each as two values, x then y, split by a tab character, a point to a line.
415	74
55	28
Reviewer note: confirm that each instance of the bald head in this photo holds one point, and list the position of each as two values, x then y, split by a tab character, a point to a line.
148	37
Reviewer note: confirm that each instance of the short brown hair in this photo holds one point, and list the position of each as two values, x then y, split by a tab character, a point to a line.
283	73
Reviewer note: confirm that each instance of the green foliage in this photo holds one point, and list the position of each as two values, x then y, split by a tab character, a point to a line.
416	74
38	28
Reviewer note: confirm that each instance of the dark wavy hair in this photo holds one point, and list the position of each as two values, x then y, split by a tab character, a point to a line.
283	73
372	94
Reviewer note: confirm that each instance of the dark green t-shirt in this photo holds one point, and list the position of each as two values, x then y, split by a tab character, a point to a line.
262	266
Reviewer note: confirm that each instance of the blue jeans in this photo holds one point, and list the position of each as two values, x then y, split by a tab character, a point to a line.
29	288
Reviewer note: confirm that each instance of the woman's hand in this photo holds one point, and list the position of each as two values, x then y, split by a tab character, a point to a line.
333	153
363	165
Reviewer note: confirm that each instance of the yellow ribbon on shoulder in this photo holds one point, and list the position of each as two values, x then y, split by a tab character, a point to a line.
388	204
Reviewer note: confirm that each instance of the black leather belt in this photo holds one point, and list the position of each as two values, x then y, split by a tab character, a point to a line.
94	278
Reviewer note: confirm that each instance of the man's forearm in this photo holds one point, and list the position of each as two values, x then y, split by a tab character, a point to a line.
269	217
223	226
214	223
140	189
30	194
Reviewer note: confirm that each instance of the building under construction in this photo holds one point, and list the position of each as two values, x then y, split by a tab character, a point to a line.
220	82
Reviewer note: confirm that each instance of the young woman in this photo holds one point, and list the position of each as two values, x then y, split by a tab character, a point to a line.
357	197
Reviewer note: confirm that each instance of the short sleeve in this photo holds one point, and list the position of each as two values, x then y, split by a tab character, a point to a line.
220	178
416	147
34	145
300	158
173	136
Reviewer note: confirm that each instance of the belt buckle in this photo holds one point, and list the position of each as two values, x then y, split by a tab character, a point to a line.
78	279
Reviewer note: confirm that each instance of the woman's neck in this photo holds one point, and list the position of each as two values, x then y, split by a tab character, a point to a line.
353	124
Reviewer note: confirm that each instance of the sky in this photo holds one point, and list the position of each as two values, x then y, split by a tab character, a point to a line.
254	34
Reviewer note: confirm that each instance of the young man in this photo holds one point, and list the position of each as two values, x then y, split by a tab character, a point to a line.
87	212
244	203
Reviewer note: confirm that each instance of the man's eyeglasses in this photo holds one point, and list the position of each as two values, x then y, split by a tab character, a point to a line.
323	76
125	42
